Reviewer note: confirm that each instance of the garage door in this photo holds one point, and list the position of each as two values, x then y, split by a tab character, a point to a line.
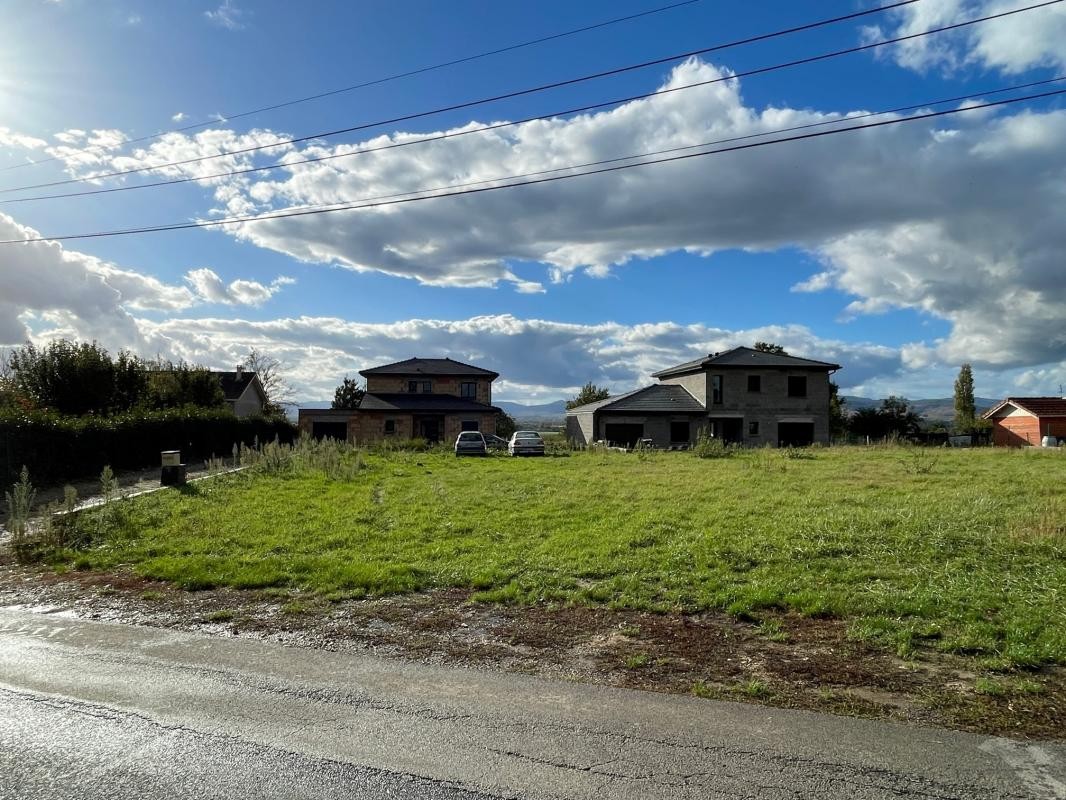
623	434
330	430
795	434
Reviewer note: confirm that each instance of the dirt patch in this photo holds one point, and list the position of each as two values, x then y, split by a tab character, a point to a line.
782	660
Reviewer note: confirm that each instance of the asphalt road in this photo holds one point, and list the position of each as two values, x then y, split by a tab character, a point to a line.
101	710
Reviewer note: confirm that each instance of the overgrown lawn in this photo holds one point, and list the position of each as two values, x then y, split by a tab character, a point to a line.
958	550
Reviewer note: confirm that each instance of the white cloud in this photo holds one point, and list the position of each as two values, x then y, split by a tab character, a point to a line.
1011	45
211	288
959	219
179	117
227	15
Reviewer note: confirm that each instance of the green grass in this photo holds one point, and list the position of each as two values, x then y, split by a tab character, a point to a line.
968	557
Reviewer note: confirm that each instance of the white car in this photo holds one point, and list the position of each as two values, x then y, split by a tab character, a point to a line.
526	443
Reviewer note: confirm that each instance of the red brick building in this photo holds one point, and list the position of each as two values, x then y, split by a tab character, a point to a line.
429	398
1021	421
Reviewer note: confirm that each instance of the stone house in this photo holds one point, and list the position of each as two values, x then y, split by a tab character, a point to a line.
430	398
742	396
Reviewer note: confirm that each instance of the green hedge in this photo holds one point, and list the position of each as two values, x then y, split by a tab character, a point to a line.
56	448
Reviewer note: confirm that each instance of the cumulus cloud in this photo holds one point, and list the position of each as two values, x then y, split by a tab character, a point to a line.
958	218
179	117
209	286
51	291
1010	45
535	358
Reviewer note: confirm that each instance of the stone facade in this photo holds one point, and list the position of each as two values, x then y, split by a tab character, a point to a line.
440	384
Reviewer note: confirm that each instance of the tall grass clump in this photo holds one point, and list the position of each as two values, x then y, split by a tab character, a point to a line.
19	504
711	447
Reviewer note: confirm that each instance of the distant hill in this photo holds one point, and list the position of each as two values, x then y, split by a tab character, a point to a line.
556	408
940	409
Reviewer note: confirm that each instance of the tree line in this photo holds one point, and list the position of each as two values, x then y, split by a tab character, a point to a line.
79	379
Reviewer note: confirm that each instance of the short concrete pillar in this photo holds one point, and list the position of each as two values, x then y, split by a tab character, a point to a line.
173	472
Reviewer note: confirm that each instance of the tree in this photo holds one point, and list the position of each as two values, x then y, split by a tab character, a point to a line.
770	347
505	425
838	413
893	418
175	385
965	406
77	378
348	395
277	389
589	393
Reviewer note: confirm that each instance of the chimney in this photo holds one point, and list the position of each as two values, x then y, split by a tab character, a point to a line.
240	371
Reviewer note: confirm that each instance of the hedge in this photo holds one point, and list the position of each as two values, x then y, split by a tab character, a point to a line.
56	448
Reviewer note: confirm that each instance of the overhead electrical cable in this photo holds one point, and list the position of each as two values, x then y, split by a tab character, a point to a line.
498	126
362	204
567	82
374	82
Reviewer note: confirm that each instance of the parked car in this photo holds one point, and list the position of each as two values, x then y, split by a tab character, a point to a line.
470	443
526	443
494	442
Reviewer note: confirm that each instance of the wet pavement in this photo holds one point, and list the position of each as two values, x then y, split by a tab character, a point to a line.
95	709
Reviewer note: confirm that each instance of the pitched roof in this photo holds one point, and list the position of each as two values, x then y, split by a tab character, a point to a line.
1037	406
428	366
657	397
234	384
745	357
412	401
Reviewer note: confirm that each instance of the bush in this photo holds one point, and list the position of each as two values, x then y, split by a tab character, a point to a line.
56	448
710	447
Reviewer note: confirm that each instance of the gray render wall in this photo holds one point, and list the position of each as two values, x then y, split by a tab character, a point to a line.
579	428
696	384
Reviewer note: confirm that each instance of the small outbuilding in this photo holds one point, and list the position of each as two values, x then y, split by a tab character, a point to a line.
1021	421
667	414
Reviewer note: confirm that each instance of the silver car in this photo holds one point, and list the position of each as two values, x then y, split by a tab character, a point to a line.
470	443
526	443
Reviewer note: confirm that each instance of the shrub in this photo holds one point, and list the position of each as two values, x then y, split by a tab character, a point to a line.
57	448
710	447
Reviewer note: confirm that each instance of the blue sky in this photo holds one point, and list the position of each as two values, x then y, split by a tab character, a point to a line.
885	253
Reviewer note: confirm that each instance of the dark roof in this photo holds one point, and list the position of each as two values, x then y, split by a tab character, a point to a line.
233	385
745	357
657	397
412	401
428	366
1038	406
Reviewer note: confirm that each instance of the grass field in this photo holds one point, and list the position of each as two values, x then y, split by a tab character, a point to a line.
964	551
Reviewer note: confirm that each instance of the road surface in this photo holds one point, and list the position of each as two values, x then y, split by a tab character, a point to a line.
91	709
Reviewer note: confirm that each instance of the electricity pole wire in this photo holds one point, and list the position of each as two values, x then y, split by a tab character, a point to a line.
374	82
499	125
568	82
363	204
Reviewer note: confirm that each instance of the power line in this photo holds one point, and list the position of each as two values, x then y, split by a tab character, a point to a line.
567	82
498	126
376	81
362	204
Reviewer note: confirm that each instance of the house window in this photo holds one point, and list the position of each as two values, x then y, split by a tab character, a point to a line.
470	425
468	389
412	386
716	389
797	385
679	433
390	427
419	386
755	383
753	428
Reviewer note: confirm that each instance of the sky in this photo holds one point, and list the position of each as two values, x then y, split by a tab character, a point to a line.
899	252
